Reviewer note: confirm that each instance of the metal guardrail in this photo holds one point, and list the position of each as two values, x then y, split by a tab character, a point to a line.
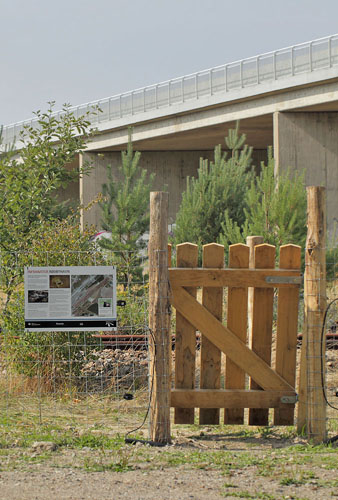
283	63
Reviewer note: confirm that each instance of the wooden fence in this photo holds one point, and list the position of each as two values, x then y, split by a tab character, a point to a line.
247	379
269	387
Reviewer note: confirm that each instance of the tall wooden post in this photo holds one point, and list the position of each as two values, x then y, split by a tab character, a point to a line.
312	410
159	319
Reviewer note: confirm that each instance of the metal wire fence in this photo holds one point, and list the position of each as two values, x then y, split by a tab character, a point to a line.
91	378
105	378
330	334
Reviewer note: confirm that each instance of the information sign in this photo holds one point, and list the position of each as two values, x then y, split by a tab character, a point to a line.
76	298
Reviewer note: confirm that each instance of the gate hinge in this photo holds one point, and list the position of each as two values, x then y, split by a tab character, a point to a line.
289	280
291	400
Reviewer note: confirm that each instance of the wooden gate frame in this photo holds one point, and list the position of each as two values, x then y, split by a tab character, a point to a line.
278	390
186	398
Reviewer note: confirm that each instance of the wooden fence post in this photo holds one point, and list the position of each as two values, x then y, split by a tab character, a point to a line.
212	300
159	319
262	319
237	321
287	329
314	406
185	340
252	241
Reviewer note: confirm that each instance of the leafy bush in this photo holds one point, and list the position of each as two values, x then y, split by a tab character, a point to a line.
52	356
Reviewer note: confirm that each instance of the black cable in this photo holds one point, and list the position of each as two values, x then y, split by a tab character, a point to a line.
335	438
145	441
321	355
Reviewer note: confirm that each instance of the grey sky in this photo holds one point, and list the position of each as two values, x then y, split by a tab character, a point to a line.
79	50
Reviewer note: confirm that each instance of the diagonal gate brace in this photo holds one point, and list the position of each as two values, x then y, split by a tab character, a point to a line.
227	342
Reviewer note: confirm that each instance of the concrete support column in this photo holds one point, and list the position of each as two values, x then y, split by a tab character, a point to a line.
309	142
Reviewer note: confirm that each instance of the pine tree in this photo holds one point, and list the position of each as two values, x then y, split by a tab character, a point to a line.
275	209
125	213
219	188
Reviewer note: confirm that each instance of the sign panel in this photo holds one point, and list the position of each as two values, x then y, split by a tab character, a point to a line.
75	298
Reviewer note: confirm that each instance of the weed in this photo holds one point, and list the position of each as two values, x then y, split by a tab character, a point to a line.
288	481
247	494
120	462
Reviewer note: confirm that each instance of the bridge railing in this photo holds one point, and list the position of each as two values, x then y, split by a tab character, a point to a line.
283	63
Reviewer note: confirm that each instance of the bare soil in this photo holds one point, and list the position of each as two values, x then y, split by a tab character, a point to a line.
200	464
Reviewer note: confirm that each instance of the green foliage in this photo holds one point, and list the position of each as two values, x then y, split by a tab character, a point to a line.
332	255
218	189
133	317
30	180
52	242
125	213
52	356
275	209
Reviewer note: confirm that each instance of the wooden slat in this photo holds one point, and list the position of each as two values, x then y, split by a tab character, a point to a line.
212	298
169	254
262	316
185	342
226	341
252	241
230	277
208	398
287	329
237	322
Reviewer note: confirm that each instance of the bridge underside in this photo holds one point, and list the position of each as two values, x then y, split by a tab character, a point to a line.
301	124
174	157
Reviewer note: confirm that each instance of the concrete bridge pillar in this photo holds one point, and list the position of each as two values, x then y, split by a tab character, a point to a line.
309	141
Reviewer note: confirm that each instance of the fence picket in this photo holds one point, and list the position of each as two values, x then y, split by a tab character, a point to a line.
287	323
213	256
262	316
237	322
185	342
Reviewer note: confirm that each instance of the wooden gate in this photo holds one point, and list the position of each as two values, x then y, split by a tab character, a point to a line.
248	378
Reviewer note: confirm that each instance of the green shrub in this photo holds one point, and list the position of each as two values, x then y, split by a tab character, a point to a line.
218	189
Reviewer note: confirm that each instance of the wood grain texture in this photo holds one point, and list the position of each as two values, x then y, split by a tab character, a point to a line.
262	316
314	310
212	300
230	277
237	322
287	329
159	319
232	399
185	340
227	341
169	254
252	242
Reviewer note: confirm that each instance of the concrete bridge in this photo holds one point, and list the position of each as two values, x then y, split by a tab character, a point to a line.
287	99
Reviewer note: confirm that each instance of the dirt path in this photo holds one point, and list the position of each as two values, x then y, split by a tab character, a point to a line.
266	472
42	483
76	485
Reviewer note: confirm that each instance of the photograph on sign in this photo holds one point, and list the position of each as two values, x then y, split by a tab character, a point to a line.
73	298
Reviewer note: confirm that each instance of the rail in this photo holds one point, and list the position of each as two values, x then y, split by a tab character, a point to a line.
283	63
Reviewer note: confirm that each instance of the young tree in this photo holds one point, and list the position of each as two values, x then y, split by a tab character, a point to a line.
31	177
125	213
275	209
219	188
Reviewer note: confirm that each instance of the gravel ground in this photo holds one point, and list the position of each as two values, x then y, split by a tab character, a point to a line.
152	473
69	484
43	483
